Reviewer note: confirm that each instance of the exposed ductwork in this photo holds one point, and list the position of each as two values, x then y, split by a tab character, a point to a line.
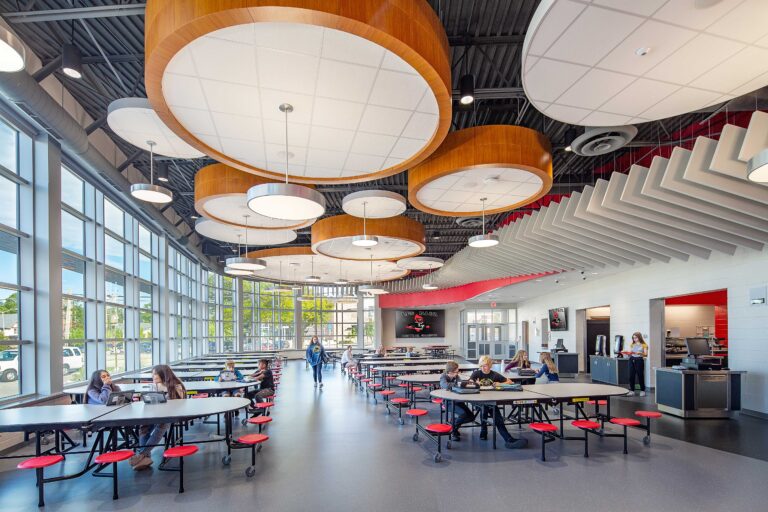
29	96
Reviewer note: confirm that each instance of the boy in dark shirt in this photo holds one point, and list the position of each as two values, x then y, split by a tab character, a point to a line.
449	379
267	383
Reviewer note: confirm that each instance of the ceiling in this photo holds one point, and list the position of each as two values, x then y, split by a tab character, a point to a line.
486	39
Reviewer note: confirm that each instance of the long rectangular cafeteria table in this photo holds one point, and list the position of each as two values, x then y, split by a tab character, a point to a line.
183	375
399	362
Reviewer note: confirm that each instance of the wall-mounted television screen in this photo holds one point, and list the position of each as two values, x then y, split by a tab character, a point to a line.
419	323
558	319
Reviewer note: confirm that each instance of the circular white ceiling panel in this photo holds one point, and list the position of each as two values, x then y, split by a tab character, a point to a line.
420	263
298	261
369	100
617	63
135	121
397	237
232	209
374	204
386	249
216	230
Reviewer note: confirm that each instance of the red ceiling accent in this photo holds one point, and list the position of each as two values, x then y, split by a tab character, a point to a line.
713	298
451	295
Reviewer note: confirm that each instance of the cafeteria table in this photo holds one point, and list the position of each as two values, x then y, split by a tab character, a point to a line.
201	386
433	368
183	375
434	378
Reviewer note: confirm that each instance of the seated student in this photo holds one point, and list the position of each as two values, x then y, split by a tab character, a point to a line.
548	368
99	388
229	374
485	376
519	361
150	435
348	362
267	383
449	379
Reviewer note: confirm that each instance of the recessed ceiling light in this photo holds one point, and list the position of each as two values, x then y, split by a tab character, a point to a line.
12	53
642	51
568	148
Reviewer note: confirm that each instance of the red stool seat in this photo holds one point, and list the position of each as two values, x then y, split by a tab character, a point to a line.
416	412
264	405
543	427
42	461
387	392
585	424
252	438
625	422
365	380
390	377
374	386
402	385
180	451
437	400
439	428
260	420
118	456
416	389
599	402
648	414
400	401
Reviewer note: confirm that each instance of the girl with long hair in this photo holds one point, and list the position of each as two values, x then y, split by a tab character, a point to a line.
638	351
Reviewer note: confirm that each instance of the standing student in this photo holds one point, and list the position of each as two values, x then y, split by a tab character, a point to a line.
638	351
449	379
315	357
485	376
548	368
266	380
519	361
149	435
99	387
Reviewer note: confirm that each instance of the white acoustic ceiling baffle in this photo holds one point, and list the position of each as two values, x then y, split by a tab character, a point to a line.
134	120
619	63
228	233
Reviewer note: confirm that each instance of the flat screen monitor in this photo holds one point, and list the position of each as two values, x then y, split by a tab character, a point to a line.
558	319
419	323
697	346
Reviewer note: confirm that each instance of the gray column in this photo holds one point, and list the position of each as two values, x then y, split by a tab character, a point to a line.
239	337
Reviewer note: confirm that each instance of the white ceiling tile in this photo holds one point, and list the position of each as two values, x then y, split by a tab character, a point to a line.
428	103
752	85
695	14
272	99
276	153
231	98
638	96
539	84
455	196
337	114
592	35
395	63
444	183
182	63
183	91
235	33
346	47
561	112
428	193
530	61
591	90
287	71
682	100
526	189
330	138
373	144
421	126
323	172
605	119
326	158
660	38
746	23
363	163
730	74
699	55
274	133
197	121
237	127
342	81
243	148
224	60
398	90
557	19
763	42
405	148
388	121
211	140
289	37
643	7
390	161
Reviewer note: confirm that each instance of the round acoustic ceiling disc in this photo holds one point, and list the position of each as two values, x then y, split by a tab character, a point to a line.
396	238
216	230
370	85
135	121
420	263
374	204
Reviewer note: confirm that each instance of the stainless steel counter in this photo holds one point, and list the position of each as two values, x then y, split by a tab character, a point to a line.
698	393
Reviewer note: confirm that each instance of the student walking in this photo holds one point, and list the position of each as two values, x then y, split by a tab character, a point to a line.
316	357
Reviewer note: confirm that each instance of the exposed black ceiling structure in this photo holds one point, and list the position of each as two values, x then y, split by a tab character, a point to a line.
486	39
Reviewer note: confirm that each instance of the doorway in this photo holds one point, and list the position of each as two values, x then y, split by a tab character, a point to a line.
698	315
598	323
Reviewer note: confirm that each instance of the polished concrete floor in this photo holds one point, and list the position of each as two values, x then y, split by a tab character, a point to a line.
333	450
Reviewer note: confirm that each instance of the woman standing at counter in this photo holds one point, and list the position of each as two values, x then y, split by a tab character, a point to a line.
638	351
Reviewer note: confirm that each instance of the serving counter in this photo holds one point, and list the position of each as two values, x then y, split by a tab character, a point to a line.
698	393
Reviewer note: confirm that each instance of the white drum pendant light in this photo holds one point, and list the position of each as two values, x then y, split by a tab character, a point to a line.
370	288
234	271
150	192
312	278
12	53
486	239
340	280
286	201
365	240
430	285
246	263
281	288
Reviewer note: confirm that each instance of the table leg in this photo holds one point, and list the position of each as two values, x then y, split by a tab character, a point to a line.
493	426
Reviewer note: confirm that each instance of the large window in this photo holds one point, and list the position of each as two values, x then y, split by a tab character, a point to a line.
73	275
269	318
184	286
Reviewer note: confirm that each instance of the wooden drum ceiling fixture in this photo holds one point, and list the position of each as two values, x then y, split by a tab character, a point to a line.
299	263
221	195
369	81
511	166
398	237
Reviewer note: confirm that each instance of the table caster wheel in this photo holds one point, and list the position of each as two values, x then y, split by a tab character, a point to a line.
258	448
226	460
244	421
438	457
415	437
647	440
601	431
448	445
401	421
250	471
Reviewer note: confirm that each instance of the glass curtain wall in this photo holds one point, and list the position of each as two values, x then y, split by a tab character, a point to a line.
184	294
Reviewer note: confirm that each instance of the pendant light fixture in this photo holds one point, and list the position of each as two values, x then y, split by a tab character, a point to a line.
757	167
12	53
162	172
365	240
340	280
281	288
286	201
370	288
296	287
244	262
235	271
312	278
429	285
466	84
486	239
150	192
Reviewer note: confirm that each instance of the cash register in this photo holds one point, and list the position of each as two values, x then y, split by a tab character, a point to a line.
699	356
